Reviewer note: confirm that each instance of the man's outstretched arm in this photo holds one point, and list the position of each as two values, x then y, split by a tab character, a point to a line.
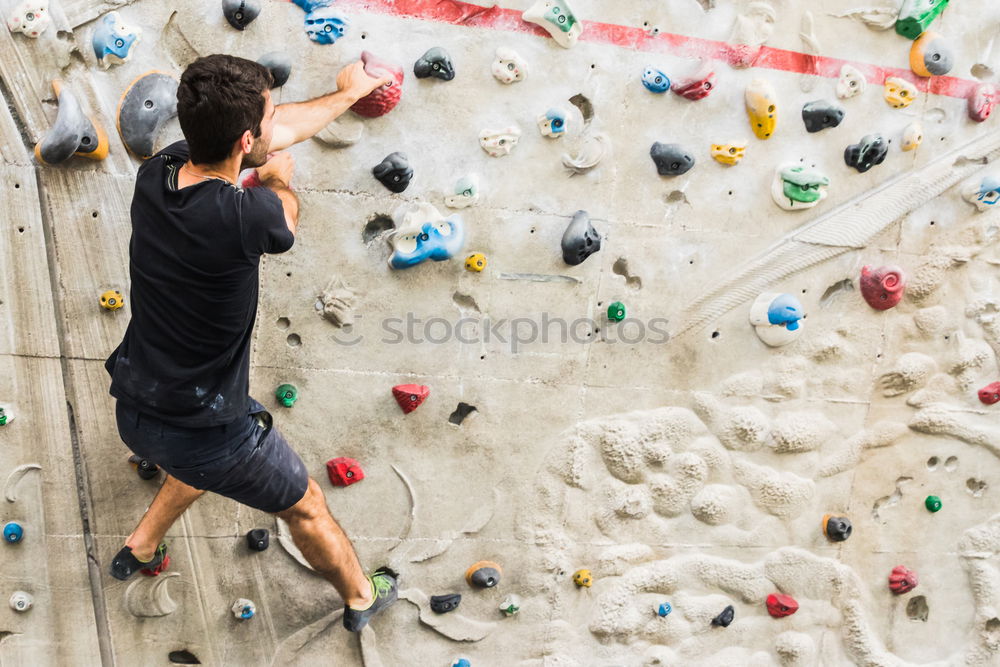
299	121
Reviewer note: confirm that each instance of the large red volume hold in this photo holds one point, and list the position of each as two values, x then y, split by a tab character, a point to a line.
779	605
383	99
410	396
344	471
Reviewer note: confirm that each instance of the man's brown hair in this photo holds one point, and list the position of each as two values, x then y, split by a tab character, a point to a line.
219	98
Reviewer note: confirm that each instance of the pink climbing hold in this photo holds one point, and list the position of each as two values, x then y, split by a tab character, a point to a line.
982	99
883	287
779	605
697	86
384	99
902	580
990	394
344	471
410	396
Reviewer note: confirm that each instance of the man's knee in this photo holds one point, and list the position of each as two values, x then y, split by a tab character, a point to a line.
312	504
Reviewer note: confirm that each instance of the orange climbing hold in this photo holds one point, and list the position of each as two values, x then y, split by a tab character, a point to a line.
410	396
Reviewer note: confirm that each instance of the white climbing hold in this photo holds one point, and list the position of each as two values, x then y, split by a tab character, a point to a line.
10	486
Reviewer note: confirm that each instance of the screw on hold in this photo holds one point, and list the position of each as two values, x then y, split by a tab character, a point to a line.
21	601
616	311
112	300
461	662
145	468
258	539
244	609
483	574
287	394
725	617
13	532
664	609
932	503
583	578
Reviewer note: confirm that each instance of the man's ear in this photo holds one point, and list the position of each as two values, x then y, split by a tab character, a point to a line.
246	142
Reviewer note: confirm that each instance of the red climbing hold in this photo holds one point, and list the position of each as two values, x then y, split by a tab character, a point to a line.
990	394
383	99
410	396
883	287
902	580
779	605
344	471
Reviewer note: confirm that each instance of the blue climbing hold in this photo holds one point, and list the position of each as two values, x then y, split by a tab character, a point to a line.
323	23
462	662
13	532
785	310
655	80
664	609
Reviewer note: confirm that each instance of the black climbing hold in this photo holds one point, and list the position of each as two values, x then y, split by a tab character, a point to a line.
671	159
147	104
240	13
258	539
145	468
442	604
280	65
837	528
821	114
72	133
394	172
580	240
725	617
867	153
437	63
183	657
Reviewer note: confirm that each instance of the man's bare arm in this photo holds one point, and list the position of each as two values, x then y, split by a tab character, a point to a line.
299	121
276	175
289	201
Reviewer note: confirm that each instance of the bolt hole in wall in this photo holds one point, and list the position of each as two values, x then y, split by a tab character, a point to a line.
17	186
94	214
183	657
20	230
294	340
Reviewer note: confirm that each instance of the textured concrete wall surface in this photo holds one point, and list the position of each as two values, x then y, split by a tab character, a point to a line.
674	454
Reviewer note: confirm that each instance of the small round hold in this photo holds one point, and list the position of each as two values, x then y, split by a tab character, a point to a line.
475	262
510	605
664	609
442	604
583	578
902	580
21	601
112	300
616	311
836	528
990	394
932	503
484	574
725	617
287	394
779	605
240	13
145	468
258	539
12	532
461	662
244	609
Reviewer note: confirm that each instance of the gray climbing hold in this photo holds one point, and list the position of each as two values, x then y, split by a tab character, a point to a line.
258	539
145	106
821	114
240	13
21	601
394	172
724	618
671	159
280	65
442	604
580	240
72	133
867	153
436	63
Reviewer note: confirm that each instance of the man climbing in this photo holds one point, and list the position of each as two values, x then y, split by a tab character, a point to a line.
181	373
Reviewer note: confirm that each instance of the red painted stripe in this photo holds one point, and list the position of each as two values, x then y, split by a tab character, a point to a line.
765	57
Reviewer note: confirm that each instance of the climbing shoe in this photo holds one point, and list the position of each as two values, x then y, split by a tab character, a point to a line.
383	581
125	564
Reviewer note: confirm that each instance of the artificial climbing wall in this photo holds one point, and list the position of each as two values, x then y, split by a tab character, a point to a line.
684	455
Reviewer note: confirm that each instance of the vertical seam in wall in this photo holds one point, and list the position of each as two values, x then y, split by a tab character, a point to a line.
79	467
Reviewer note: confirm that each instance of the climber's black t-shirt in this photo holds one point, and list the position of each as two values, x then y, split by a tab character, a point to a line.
194	257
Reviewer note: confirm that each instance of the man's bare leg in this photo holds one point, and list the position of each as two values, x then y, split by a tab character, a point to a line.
170	502
326	547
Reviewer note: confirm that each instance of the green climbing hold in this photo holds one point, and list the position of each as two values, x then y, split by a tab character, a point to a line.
932	503
616	311
287	394
916	15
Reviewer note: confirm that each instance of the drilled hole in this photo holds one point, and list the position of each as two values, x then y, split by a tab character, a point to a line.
294	340
283	322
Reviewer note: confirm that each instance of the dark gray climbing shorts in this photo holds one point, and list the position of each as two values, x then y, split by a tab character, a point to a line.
248	460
